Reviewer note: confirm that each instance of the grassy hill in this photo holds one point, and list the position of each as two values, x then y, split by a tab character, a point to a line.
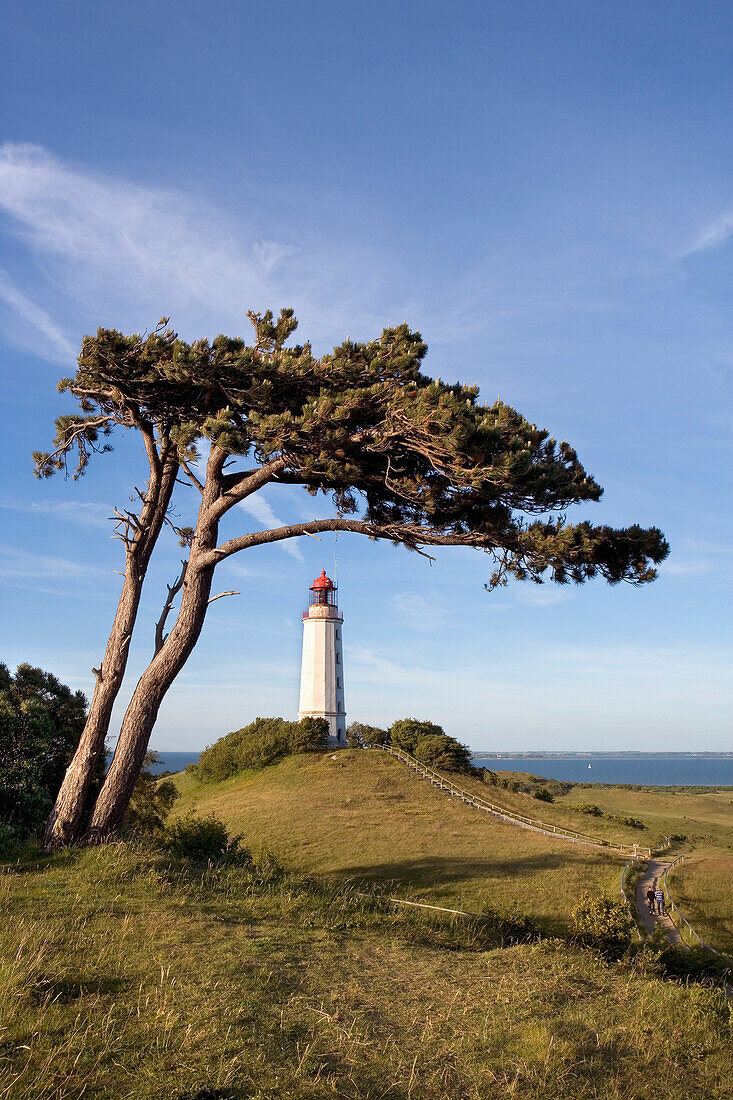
127	977
356	815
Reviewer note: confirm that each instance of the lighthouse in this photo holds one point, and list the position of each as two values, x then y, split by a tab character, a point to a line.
322	668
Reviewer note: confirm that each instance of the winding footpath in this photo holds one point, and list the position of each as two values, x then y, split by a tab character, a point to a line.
651	921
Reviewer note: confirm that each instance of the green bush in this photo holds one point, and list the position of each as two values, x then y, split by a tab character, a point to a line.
602	924
405	733
697	963
438	750
151	802
41	721
308	735
358	735
543	795
260	743
590	808
486	776
203	840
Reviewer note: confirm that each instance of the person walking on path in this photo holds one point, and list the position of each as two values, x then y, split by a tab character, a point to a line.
659	899
650	899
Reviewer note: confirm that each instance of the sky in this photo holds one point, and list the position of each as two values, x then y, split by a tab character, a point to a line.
543	189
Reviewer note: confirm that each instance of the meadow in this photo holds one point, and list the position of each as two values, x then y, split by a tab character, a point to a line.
362	817
128	974
129	977
701	820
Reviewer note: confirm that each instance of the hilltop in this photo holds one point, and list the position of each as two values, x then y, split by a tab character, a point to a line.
360	815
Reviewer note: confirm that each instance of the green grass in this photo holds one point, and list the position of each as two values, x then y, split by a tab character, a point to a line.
703	886
363	816
127	978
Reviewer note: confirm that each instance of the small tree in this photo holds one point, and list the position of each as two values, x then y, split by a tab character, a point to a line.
41	721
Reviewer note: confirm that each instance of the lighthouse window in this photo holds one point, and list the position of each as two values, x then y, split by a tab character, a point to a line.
338	658
338	681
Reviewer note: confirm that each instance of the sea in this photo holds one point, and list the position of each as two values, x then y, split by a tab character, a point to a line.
653	770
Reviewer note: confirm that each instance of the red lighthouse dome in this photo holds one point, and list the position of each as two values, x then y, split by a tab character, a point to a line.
322	593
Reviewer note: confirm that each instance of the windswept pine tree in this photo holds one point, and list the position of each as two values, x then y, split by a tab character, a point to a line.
405	458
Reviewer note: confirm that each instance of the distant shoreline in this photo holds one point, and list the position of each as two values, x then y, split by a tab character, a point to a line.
628	754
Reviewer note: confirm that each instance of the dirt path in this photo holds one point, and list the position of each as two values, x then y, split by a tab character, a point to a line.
654	871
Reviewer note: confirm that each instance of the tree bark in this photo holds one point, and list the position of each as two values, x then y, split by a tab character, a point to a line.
64	821
142	712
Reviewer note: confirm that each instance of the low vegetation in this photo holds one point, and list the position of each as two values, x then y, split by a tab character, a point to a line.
260	743
699	824
132	975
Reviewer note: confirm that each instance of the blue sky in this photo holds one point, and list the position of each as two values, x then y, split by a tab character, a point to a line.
545	190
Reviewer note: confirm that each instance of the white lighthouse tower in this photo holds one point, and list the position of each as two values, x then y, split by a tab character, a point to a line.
322	668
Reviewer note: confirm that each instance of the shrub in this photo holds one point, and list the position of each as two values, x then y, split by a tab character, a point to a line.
488	777
543	795
697	963
260	743
602	924
443	752
307	735
254	746
590	808
405	732
203	840
152	800
358	735
41	721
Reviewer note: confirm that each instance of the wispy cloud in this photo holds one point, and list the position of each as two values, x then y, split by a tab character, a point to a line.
419	613
261	510
712	235
127	251
82	512
54	575
542	595
130	251
45	337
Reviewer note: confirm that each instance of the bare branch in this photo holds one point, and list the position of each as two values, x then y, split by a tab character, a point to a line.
191	476
412	536
221	596
173	591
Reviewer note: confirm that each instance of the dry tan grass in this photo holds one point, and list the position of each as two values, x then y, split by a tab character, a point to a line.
125	979
364	816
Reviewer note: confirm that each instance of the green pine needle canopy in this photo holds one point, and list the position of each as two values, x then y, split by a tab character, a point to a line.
405	457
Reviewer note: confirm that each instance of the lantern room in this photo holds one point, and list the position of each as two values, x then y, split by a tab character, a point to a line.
322	591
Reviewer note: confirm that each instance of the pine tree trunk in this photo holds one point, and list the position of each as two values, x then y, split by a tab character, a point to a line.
142	711
64	821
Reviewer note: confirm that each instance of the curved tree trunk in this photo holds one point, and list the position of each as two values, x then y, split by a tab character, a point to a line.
65	818
142	711
143	708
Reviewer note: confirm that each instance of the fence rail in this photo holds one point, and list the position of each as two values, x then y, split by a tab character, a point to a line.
683	925
438	780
